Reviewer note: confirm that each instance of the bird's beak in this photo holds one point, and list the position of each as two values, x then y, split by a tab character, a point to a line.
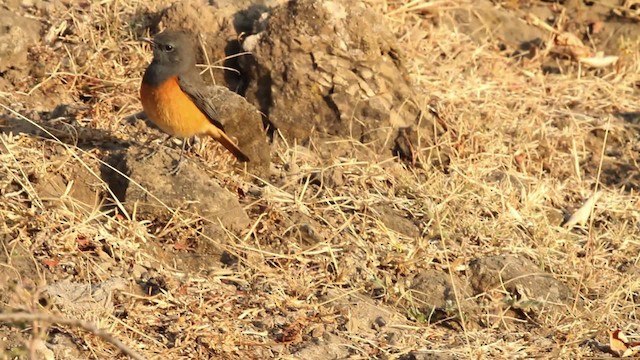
148	40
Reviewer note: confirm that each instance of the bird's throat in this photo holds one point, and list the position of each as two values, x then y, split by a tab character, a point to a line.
157	74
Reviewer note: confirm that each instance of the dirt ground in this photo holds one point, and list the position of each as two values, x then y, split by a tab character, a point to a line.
433	180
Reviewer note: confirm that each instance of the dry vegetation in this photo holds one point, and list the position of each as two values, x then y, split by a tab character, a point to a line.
527	147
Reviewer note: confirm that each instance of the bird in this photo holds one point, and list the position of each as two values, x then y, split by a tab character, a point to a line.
174	96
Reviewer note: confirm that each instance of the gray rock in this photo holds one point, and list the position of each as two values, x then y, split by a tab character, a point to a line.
520	284
191	193
332	68
433	295
510	272
17	34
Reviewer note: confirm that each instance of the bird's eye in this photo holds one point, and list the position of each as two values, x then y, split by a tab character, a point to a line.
168	47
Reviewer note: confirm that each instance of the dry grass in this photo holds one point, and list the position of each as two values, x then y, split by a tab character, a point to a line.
528	146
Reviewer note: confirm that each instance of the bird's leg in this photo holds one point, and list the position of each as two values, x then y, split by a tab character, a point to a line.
176	169
196	142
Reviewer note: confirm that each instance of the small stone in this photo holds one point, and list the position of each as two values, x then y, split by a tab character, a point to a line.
317	331
379	323
228	258
137	271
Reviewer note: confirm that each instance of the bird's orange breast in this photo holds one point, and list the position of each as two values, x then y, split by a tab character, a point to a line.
173	111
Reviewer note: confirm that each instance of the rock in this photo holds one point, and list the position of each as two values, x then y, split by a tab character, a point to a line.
137	270
64	346
216	33
206	17
528	289
392	219
17	35
332	68
328	347
40	347
191	193
85	301
74	185
434	296
424	355
242	121
196	16
362	316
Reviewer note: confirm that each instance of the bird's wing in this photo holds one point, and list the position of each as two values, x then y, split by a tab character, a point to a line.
193	86
196	89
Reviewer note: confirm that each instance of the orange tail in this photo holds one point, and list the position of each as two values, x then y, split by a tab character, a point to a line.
223	139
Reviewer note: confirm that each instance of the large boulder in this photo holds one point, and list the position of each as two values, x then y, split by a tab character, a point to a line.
332	68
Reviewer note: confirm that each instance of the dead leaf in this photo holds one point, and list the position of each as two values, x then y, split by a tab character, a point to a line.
84	244
180	246
632	351
581	216
50	263
458	264
515	214
520	158
596	27
619	344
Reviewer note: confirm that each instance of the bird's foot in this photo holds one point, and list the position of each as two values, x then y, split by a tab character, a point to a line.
178	167
148	156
